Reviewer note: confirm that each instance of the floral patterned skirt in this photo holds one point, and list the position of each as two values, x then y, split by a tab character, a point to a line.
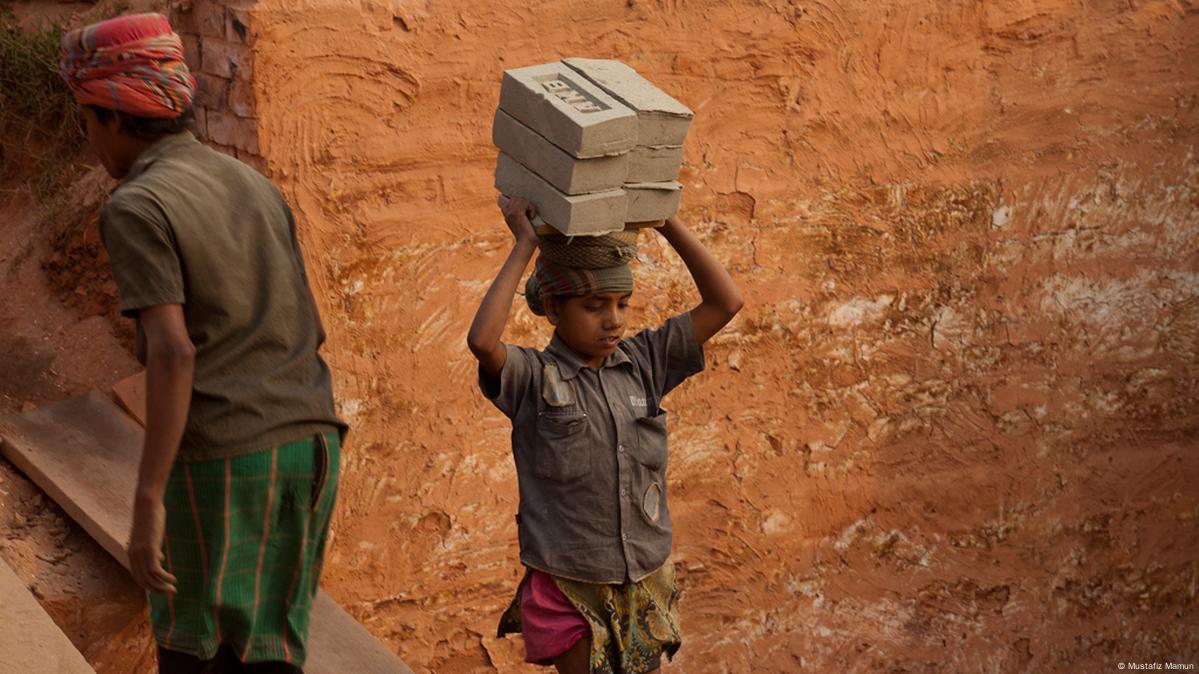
632	624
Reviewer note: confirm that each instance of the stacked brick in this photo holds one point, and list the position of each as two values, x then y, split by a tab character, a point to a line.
217	47
595	146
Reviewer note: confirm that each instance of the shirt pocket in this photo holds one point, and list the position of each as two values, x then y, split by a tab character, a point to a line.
651	440
561	449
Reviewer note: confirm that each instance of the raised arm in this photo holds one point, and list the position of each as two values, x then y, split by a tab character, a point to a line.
488	326
720	297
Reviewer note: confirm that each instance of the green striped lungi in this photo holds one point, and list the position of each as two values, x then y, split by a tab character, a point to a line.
245	538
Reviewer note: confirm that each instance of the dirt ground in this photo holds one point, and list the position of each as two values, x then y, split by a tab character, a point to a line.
952	430
56	342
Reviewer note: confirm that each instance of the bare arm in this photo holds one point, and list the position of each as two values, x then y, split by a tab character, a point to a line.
170	363
492	316
720	297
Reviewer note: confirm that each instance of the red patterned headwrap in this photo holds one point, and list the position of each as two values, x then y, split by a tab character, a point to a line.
131	64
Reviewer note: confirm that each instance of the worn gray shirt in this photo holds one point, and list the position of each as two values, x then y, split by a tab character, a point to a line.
590	451
191	226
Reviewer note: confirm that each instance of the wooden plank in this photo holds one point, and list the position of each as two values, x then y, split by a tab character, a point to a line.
130	393
84	451
30	642
339	644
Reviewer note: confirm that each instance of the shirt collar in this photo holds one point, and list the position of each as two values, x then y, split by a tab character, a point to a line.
570	362
161	147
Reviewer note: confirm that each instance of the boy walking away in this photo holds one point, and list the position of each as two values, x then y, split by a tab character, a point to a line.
239	471
589	442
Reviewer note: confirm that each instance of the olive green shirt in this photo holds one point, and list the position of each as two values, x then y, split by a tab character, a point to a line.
191	226
590	451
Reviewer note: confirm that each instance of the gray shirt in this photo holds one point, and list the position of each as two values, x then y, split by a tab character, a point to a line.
191	226
590	452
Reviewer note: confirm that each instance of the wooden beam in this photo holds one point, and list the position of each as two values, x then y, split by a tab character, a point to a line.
84	451
30	642
130	394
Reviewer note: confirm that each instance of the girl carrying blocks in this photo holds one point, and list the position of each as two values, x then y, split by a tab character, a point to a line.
589	442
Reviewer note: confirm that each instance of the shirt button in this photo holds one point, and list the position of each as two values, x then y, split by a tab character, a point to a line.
624	537
624	492
620	448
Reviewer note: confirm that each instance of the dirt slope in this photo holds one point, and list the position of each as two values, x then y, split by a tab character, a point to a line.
953	430
956	422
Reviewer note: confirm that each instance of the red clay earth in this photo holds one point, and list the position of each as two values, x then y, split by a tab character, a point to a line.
60	336
955	426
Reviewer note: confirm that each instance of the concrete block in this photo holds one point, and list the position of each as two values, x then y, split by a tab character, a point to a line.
241	98
252	160
570	175
568	110
225	59
539	225
661	120
223	149
655	163
191	51
596	213
209	18
652	201
201	124
237	25
183	19
211	91
228	129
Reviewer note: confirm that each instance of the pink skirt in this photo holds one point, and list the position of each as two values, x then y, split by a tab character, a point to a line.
550	624
630	626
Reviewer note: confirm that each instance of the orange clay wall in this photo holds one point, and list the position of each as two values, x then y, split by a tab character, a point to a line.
955	427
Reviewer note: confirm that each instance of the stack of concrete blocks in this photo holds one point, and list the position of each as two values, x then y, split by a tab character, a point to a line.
217	48
595	146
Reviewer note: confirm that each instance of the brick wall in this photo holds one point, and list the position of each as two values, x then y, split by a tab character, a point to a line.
218	46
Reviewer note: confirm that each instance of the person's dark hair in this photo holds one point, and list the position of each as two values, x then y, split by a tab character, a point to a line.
145	128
